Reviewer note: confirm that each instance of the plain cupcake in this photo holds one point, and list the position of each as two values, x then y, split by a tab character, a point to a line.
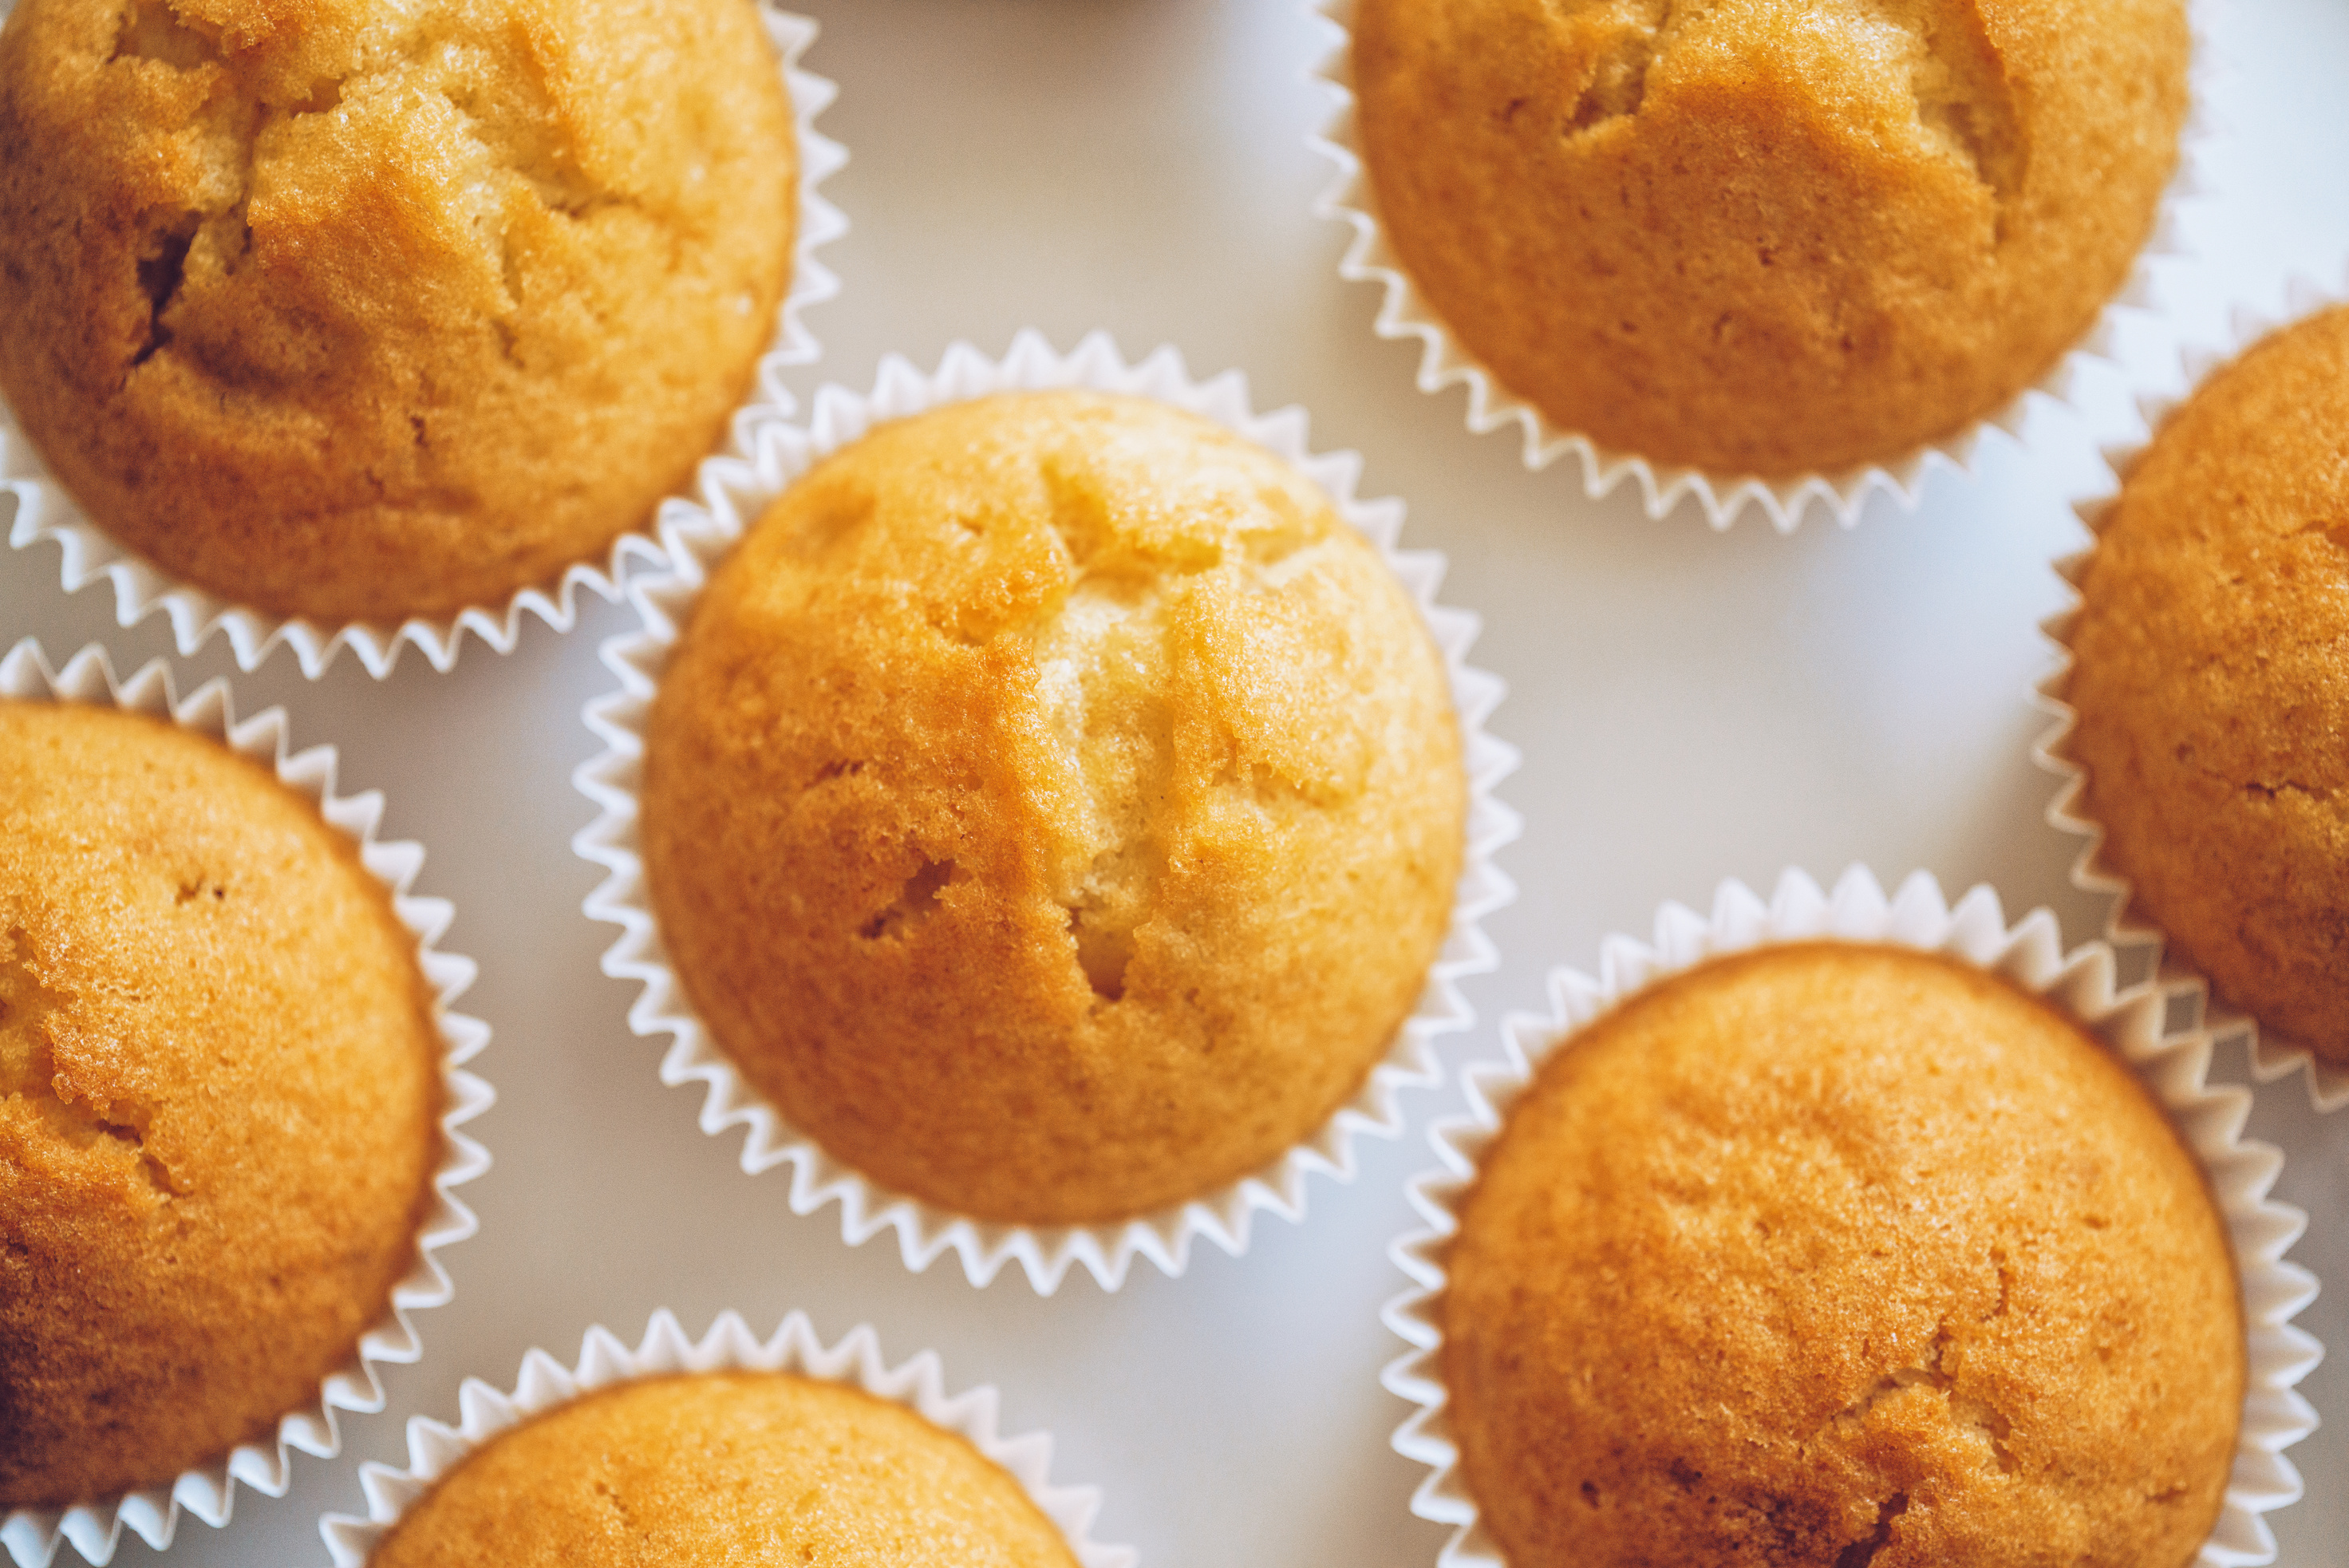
2209	682
1833	1253
1052	806
704	1468
1760	238
221	1066
357	316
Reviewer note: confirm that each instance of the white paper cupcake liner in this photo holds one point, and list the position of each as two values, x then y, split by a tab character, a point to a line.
1444	361
734	493
919	1384
95	1528
2272	1054
45	513
2172	1062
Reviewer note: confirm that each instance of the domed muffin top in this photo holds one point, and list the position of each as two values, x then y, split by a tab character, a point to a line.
725	1467
1768	237
357	312
2211	680
217	1096
1053	807
1833	1253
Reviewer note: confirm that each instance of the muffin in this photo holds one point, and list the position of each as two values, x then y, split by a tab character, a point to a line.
729	1467
1832	1253
218	1087
2210	676
1052	806
1764	236
358	313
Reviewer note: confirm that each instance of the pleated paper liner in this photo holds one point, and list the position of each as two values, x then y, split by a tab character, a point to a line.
2272	1053
1444	361
2173	1063
45	513
856	1362
95	1528
736	492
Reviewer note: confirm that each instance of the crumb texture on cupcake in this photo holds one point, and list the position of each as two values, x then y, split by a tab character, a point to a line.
1838	1255
725	1467
1053	807
2211	676
1769	236
359	312
217	1096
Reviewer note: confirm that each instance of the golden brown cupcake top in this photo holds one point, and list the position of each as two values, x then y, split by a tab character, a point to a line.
217	1096
357	312
1053	808
2211	680
727	1468
1833	1254
1773	236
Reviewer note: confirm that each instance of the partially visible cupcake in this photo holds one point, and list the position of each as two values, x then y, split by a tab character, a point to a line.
1831	1252
727	1467
2210	680
356	313
219	1082
1768	237
1053	808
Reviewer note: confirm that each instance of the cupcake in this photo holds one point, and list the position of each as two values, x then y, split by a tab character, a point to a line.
729	1450
1052	808
358	315
220	1080
1827	1233
1767	239
2209	680
712	1468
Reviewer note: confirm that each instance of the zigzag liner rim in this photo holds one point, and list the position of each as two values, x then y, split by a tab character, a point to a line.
2172	1063
1045	1253
2273	1053
32	1536
1444	361
544	1383
142	590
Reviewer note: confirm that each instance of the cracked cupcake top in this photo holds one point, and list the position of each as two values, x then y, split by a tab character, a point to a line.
1770	236
355	311
2211	679
1841	1255
725	1467
217	1097
1053	807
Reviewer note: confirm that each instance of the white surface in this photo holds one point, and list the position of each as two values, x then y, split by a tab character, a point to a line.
1690	706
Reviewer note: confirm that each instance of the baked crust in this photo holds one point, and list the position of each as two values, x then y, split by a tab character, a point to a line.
725	1467
358	312
1053	808
1763	235
2211	679
1834	1254
218	1091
